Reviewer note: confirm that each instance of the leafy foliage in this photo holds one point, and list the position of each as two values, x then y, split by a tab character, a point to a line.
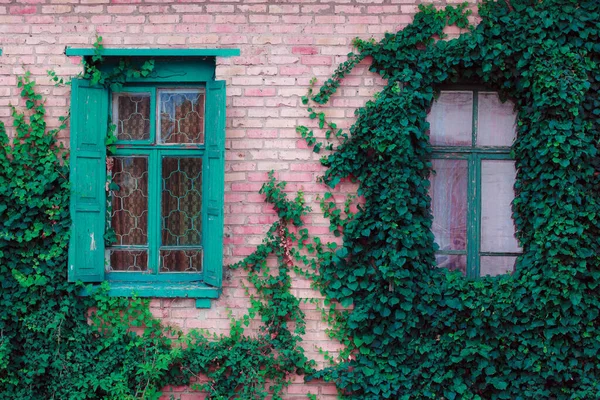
421	332
57	344
415	331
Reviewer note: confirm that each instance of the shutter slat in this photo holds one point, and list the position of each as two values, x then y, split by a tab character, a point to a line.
89	119
214	170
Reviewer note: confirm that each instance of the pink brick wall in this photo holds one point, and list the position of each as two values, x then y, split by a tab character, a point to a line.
283	45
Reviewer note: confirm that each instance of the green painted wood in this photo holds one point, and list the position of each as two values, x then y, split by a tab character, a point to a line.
154	198
214	173
173	70
202	303
154	283
153	277
133	52
139	89
89	116
472	206
157	289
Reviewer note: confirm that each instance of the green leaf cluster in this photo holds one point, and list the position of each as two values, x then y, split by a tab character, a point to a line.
55	344
420	332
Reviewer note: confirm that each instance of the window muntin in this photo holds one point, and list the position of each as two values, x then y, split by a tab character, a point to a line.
132	115
167	185
471	132
181	116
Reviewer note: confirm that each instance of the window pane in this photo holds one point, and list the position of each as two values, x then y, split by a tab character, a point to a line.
128	260
452	262
496	124
448	193
181	116
497	194
131	115
129	200
181	260
181	208
451	119
497	265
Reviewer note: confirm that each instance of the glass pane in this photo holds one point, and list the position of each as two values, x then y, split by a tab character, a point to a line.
181	208
131	115
181	116
448	192
129	200
181	260
452	262
496	124
451	119
497	194
128	261
496	265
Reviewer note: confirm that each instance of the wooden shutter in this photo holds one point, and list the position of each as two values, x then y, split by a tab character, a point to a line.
89	122
214	178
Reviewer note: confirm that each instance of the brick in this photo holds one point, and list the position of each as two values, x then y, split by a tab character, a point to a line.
223	28
164	19
20	10
364	19
315	9
171	40
88	9
264	19
304	50
10	19
190	28
121	9
284	9
159	28
213	9
185	8
266	40
256	8
130	19
56	9
298	70
233	39
200	19
349	9
204	39
295	19
230	19
319	29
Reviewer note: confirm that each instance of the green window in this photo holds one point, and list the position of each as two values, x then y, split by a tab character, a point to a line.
471	133
148	217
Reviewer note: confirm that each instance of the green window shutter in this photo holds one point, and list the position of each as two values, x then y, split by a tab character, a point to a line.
214	169
89	120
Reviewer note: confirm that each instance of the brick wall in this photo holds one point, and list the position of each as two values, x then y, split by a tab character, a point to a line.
283	45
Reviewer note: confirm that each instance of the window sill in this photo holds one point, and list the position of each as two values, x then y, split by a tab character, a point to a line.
199	291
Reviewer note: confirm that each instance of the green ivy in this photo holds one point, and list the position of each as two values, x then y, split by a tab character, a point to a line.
55	344
422	332
415	331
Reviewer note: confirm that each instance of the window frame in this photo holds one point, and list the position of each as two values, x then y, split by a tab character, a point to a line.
155	151
92	104
474	155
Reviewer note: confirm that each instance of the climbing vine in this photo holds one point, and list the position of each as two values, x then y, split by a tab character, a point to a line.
414	331
57	344
422	332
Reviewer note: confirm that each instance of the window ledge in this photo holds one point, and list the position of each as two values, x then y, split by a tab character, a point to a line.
199	291
139	52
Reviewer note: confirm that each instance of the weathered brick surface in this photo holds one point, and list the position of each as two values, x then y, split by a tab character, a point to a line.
283	45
